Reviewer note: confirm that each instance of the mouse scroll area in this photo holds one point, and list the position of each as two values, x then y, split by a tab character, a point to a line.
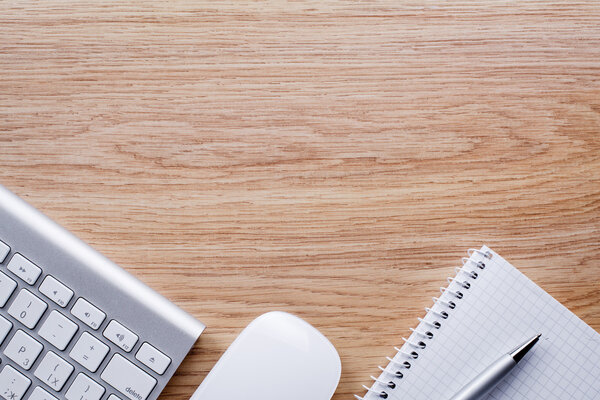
277	356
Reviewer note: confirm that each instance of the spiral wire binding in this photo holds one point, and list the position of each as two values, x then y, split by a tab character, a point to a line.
382	387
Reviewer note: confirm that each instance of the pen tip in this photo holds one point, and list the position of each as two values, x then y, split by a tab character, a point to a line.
518	353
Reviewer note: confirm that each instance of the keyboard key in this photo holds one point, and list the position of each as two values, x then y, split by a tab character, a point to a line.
128	379
7	287
5	327
58	330
4	250
87	313
153	358
121	336
89	352
27	308
24	269
13	384
113	397
56	291
40	394
23	349
54	371
84	388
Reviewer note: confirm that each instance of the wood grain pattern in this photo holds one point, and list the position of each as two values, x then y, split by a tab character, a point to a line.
331	159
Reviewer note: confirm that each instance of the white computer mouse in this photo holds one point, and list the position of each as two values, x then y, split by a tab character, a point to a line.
278	356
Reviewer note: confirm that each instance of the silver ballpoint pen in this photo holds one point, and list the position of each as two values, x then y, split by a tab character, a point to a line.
483	383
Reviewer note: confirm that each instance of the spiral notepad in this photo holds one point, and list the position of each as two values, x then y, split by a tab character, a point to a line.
487	309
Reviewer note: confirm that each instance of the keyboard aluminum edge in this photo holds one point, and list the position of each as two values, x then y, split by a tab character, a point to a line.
92	276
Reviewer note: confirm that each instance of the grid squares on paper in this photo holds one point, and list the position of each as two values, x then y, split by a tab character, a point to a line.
500	310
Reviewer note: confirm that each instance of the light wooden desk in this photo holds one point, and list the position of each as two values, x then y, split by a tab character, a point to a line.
332	159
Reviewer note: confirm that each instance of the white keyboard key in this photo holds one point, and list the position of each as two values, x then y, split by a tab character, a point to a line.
121	336
56	291
128	379
84	388
153	358
89	352
40	394
54	371
5	327
23	349
4	250
58	330
24	269
27	308
87	313
7	287
113	397
13	384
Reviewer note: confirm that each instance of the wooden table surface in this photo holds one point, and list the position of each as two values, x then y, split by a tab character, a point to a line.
331	159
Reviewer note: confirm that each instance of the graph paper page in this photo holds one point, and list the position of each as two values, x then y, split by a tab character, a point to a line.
500	310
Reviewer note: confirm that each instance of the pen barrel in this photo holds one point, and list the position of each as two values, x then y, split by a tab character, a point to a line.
487	380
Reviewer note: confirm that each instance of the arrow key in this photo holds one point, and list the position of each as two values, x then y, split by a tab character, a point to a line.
56	291
24	269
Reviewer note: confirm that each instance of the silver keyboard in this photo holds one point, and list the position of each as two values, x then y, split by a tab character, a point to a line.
75	326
